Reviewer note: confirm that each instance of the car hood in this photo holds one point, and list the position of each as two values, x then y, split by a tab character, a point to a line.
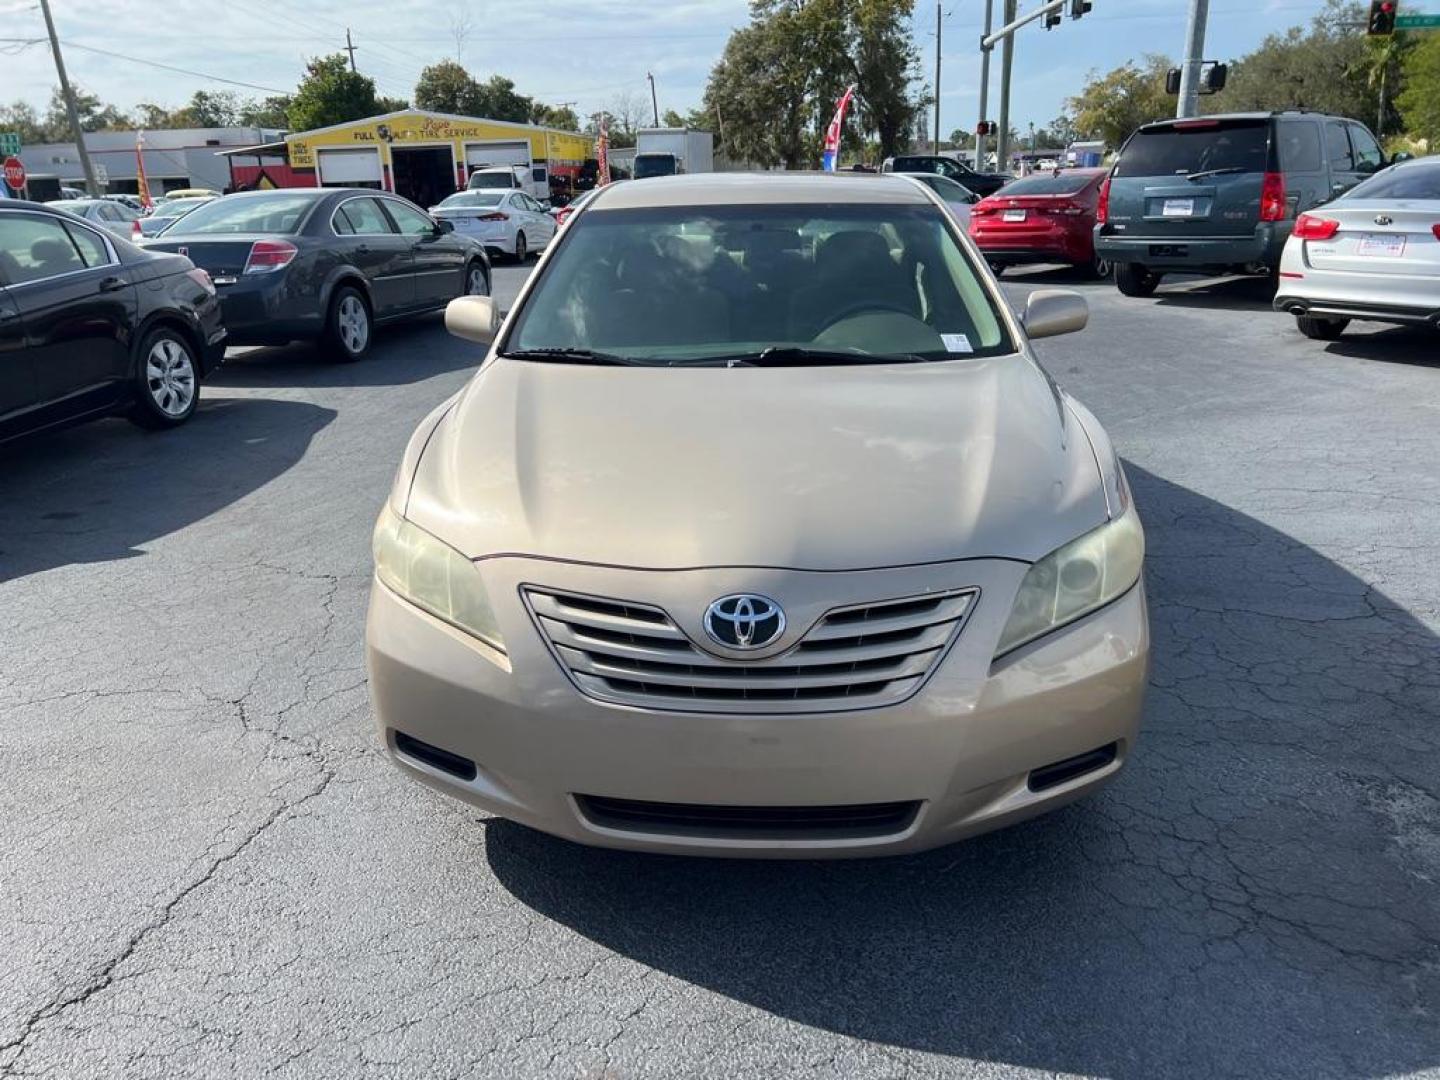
822	468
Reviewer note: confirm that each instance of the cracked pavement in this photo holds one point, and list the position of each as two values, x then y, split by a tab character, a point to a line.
208	869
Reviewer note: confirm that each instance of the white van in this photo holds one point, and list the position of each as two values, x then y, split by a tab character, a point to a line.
534	180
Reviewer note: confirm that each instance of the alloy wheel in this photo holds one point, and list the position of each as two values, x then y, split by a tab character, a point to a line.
475	282
353	322
170	377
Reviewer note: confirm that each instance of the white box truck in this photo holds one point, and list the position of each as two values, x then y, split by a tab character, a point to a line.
667	151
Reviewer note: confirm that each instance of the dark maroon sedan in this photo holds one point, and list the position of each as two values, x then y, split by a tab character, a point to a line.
1048	218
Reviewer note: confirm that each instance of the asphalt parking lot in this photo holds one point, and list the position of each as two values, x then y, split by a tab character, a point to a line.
208	869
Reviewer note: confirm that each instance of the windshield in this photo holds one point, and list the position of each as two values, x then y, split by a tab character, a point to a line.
492	180
654	165
249	214
1418	181
676	285
942	165
474	198
1064	184
1241	146
177	207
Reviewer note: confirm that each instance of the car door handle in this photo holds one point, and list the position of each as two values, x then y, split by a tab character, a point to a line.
112	284
363	249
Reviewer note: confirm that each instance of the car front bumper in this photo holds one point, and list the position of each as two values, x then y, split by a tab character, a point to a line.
962	749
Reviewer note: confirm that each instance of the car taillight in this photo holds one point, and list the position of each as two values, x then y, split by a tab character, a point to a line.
136	232
980	209
495	217
1272	197
1102	208
267	256
1436	230
1310	227
201	278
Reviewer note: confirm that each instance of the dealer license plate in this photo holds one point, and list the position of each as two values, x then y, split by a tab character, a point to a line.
1177	208
1382	244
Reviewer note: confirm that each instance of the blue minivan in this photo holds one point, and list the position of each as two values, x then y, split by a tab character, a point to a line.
1220	194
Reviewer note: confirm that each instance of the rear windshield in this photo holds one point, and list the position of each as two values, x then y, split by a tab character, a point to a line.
249	214
1064	184
653	165
677	285
1418	181
492	180
943	166
1212	145
473	198
177	207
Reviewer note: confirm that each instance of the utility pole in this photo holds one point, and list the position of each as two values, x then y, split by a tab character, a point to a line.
654	101
1007	59
1189	104
937	74
350	48
984	88
72	113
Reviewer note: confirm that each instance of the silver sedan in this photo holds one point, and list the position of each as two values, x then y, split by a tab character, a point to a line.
1373	254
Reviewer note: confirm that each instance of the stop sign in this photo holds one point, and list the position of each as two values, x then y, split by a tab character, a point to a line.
14	173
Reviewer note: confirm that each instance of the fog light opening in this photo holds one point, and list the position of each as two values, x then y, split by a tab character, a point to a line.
435	757
1062	772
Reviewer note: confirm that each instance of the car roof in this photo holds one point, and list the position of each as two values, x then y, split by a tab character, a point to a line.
722	189
1290	113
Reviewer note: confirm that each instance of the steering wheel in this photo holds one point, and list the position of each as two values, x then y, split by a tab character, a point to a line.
861	308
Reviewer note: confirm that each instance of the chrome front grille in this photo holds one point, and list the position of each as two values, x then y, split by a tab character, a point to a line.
859	656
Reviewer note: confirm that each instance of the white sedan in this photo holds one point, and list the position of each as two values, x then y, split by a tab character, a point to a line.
506	222
1372	254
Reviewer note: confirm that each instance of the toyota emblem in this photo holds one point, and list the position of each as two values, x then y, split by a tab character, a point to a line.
744	621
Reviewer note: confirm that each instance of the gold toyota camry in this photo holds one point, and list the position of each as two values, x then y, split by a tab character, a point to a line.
760	531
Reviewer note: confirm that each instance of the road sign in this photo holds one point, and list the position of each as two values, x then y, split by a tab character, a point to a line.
14	173
1417	22
102	174
9	143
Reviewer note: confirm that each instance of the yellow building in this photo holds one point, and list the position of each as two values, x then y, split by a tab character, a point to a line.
426	156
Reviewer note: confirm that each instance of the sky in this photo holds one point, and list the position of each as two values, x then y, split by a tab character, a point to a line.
584	52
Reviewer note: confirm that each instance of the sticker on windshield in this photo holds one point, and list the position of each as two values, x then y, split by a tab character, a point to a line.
956	343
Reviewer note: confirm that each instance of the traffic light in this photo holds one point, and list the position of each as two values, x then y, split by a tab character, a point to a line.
1052	19
985	127
1079	7
1382	18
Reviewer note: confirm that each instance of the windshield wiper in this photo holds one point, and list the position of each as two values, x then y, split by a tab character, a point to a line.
1214	172
571	356
800	356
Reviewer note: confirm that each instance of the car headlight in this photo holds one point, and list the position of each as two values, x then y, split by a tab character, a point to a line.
434	576
1074	580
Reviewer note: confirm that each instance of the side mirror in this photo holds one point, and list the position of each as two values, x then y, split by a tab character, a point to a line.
443	226
1049	312
473	318
1401	155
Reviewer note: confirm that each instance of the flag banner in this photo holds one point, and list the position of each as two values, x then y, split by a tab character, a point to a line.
142	185
602	155
832	135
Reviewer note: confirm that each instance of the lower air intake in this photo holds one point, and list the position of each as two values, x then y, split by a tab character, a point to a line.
750	822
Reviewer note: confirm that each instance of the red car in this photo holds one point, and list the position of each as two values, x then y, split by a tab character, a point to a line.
1042	219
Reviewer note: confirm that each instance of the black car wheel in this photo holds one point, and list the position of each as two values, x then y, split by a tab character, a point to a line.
1132	279
348	329
167	380
476	283
520	253
1321	329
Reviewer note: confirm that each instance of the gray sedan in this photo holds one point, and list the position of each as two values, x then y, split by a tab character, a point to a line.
115	218
1372	254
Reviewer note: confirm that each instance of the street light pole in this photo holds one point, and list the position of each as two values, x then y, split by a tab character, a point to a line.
654	101
984	88
938	4
1007	59
72	113
1189	104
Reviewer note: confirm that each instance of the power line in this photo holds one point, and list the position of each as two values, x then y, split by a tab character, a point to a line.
170	67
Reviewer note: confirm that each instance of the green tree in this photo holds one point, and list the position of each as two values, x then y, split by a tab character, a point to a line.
760	87
213	109
1420	100
1113	105
272	112
886	64
447	87
330	93
562	117
95	115
498	100
1324	67
20	117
